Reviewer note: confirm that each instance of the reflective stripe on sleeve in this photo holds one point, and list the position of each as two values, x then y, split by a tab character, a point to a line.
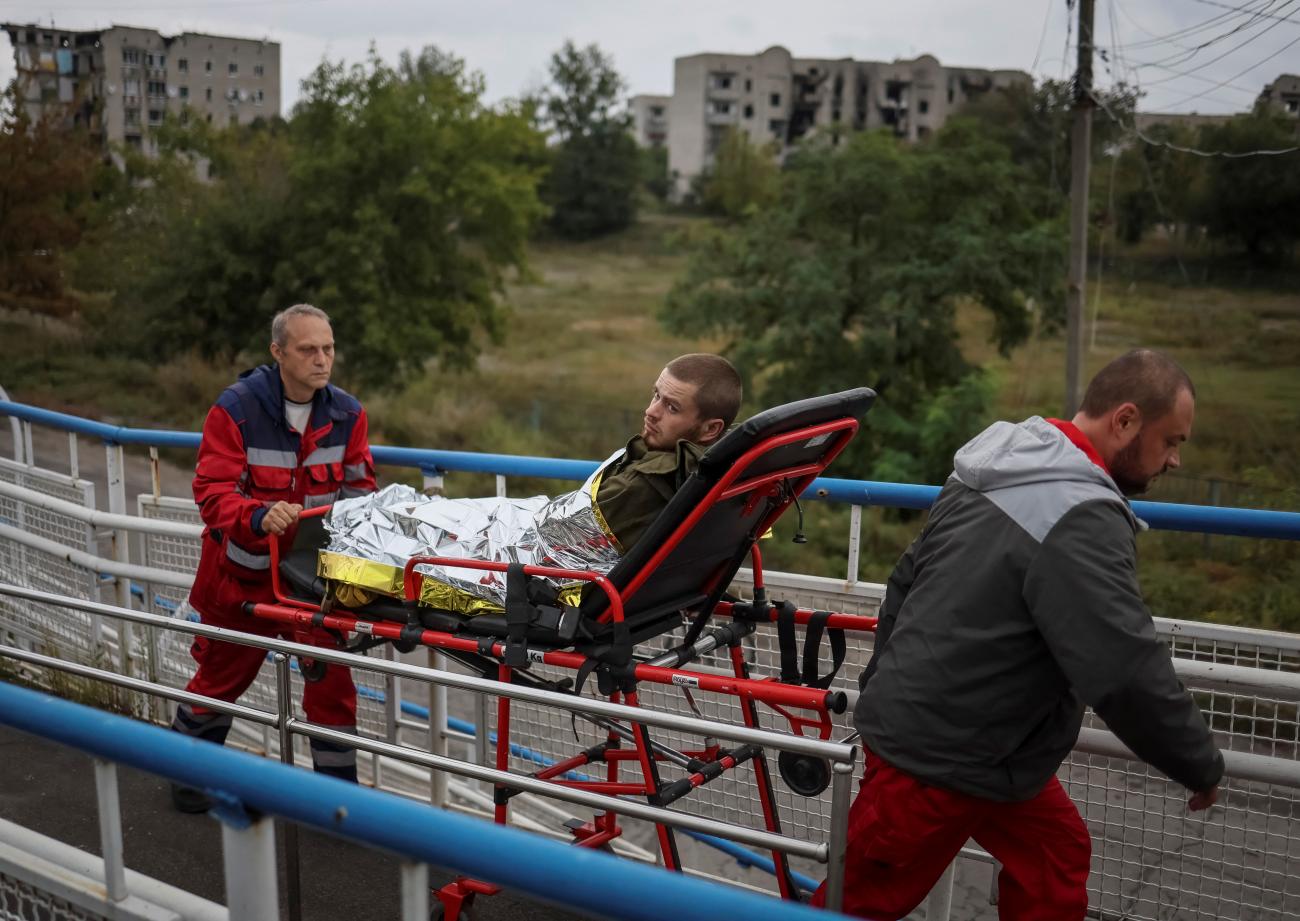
354	471
248	560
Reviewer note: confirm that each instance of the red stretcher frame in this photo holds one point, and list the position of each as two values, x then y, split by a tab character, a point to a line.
789	701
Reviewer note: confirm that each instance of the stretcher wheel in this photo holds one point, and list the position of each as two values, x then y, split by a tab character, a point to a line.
806	775
312	669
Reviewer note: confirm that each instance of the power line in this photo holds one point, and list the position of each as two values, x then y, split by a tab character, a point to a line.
1188	53
1254	66
1134	130
1203	26
1047	18
1234	48
1240	9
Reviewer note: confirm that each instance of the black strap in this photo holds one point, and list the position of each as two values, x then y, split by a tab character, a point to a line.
812	651
789	646
519	614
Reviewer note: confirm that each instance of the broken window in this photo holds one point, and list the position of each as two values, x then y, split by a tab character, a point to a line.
923	106
774	99
749	111
183	65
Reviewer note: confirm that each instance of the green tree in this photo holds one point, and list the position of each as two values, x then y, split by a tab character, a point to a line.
854	277
1034	122
47	174
596	166
744	176
395	199
654	172
1254	200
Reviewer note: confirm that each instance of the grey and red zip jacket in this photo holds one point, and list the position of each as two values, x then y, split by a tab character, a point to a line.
250	458
1016	606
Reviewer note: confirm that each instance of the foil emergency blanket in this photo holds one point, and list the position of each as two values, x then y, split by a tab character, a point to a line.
373	536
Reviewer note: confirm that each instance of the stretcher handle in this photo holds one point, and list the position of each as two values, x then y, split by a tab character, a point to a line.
274	546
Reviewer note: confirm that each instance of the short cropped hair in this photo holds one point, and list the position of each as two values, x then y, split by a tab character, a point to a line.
280	325
718	390
1144	377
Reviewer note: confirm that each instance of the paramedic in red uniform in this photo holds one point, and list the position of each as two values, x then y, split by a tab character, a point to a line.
279	440
1016	606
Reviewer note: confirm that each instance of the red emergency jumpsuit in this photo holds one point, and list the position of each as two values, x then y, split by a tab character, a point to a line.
250	459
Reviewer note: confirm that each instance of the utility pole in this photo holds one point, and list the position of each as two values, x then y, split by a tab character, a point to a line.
1080	153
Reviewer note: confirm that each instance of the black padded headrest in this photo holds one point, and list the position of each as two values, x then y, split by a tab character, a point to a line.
785	418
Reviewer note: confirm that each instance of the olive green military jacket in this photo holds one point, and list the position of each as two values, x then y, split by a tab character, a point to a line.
635	488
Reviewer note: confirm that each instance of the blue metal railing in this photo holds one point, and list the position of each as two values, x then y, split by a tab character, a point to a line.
1167	516
590	881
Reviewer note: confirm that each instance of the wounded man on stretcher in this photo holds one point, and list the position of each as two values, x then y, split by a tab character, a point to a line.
694	401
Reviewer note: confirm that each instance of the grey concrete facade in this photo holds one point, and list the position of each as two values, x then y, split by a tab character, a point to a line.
1283	94
121	82
649	119
776	98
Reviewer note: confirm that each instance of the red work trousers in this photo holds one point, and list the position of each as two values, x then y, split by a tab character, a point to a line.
903	834
226	670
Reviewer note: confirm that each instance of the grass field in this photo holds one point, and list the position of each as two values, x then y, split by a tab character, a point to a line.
583	346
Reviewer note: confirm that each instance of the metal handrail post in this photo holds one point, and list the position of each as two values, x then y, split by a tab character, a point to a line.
938	904
437	730
284	717
392	714
121	547
110	829
249	852
415	891
841	793
855	541
16	428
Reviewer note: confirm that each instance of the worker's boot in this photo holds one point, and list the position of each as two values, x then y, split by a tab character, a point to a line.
209	727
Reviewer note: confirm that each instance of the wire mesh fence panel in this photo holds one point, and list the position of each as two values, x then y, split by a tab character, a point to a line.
23	901
48	628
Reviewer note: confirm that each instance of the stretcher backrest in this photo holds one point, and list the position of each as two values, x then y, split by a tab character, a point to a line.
705	553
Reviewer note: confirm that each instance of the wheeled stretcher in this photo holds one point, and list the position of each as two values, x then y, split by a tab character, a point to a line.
675	578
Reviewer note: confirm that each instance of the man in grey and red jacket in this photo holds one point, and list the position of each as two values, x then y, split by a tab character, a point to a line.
1016	606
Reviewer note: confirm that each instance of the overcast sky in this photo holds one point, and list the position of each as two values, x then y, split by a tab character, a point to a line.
510	41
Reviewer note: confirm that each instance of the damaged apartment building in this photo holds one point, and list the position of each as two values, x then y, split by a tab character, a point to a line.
776	98
121	82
